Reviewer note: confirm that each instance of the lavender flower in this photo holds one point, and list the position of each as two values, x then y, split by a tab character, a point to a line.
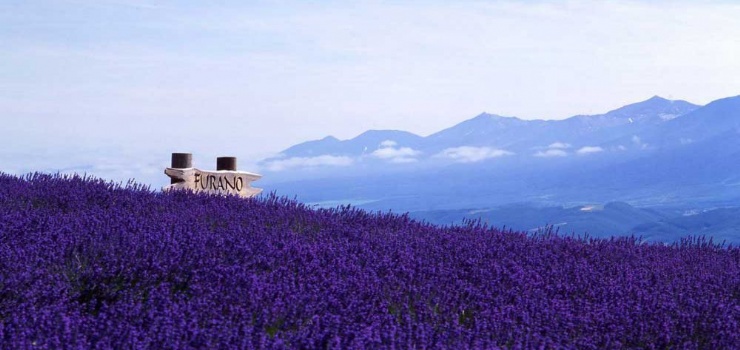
89	264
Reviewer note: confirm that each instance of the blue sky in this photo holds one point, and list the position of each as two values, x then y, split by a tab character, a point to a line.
113	86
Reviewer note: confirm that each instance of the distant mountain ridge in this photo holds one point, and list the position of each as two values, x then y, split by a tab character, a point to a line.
369	140
508	134
675	148
660	158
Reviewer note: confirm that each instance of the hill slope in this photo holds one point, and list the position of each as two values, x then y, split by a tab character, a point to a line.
87	264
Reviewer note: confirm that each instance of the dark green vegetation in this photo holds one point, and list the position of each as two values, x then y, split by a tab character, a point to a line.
88	264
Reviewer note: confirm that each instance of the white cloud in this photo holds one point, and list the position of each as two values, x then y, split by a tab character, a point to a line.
589	150
403	160
305	162
392	152
395	155
560	145
468	154
638	142
388	143
551	153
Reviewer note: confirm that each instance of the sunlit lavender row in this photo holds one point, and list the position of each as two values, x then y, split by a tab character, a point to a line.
85	263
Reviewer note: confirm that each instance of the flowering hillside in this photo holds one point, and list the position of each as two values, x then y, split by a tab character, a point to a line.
85	263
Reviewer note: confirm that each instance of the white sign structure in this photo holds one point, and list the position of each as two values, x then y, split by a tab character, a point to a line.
216	182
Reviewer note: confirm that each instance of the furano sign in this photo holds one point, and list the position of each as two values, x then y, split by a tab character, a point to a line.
225	180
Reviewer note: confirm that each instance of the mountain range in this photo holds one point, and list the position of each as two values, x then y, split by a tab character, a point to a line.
654	153
509	135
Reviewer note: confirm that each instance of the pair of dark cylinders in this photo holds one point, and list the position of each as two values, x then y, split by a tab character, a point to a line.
185	160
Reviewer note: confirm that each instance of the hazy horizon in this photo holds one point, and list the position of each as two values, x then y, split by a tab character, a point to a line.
109	85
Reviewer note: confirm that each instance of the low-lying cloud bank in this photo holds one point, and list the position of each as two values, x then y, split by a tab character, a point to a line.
559	145
553	152
469	154
305	162
388	151
555	149
589	150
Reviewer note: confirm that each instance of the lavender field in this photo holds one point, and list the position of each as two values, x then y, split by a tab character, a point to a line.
90	264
